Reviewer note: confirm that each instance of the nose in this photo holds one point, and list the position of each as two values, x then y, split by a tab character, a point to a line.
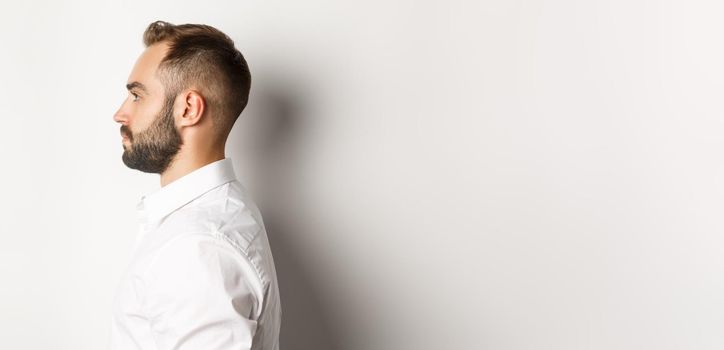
120	117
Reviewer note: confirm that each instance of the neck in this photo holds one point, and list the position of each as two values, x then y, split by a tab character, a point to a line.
184	163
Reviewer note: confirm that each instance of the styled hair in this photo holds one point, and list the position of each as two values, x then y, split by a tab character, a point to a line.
204	57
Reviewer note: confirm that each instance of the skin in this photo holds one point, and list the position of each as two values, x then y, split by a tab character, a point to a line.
168	136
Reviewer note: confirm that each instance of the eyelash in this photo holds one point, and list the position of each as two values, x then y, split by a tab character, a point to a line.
135	97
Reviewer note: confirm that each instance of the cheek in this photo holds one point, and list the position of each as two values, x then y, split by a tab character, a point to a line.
141	124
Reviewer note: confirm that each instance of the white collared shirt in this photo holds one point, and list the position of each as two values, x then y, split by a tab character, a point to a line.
202	276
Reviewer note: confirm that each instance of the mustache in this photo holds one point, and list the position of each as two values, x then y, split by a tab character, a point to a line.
125	132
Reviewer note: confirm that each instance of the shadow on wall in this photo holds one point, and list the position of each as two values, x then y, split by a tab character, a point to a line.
272	159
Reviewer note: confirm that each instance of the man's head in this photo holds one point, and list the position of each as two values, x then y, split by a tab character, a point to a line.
186	90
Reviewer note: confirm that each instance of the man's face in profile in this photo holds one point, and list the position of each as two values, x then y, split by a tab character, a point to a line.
151	139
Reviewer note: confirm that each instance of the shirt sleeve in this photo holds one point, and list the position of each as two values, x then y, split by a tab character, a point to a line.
199	296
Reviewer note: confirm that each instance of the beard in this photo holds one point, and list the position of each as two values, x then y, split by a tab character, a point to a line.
152	150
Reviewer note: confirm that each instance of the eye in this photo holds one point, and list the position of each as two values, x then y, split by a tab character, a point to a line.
135	96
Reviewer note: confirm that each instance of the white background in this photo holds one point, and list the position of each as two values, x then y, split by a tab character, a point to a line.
432	174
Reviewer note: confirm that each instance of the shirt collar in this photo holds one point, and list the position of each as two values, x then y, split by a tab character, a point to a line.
155	206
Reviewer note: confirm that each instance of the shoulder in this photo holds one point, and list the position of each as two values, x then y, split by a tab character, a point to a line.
225	209
191	251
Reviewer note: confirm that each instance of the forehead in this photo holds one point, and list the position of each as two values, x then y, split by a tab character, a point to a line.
144	71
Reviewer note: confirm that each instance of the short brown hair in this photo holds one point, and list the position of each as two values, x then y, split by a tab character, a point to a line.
203	55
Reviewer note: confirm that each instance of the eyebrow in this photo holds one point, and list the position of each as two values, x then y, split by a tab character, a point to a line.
138	85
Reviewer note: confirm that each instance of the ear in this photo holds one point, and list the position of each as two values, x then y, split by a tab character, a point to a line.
193	106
